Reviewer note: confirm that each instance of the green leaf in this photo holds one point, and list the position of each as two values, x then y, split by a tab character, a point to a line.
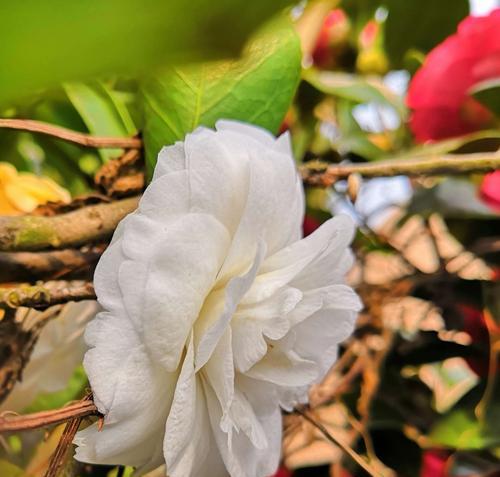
103	113
45	43
10	470
355	88
488	94
460	429
257	89
420	25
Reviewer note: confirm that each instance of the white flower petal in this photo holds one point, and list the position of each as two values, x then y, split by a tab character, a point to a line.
217	313
180	276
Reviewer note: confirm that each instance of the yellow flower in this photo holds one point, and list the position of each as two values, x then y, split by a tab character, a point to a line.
22	192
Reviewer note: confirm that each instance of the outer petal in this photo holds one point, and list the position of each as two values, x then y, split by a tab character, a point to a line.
132	391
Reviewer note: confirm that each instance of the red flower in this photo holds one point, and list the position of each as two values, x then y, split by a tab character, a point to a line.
476	328
309	225
434	463
333	33
490	190
282	472
439	92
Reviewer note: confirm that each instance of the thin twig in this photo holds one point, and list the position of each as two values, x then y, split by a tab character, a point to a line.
59	456
71	136
88	224
44	265
345	447
15	423
321	174
45	295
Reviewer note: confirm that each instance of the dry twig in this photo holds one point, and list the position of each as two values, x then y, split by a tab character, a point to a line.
82	139
30	266
14	423
345	447
59	456
45	295
321	174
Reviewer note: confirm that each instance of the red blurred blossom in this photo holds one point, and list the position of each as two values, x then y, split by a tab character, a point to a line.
476	328
434	463
282	472
490	190
309	225
333	32
369	34
439	92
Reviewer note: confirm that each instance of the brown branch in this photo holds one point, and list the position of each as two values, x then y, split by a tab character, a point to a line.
123	176
321	174
88	224
71	136
31	266
45	295
334	440
15	423
18	340
59	456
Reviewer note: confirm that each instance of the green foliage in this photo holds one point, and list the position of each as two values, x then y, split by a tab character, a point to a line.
461	429
420	25
102	110
73	390
10	470
45	43
258	89
487	93
355	88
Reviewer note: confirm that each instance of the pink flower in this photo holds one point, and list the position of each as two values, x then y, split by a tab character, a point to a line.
439	95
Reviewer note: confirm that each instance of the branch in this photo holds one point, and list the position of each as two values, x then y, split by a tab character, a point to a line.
88	224
15	423
43	296
346	448
321	174
59	456
31	266
71	136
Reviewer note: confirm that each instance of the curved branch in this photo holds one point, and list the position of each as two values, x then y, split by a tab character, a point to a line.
71	136
320	174
14	423
88	224
43	296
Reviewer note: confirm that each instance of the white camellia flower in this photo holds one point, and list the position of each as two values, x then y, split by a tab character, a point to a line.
217	313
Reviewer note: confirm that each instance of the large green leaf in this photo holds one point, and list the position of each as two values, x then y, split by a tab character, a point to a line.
47	42
420	24
257	89
102	111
